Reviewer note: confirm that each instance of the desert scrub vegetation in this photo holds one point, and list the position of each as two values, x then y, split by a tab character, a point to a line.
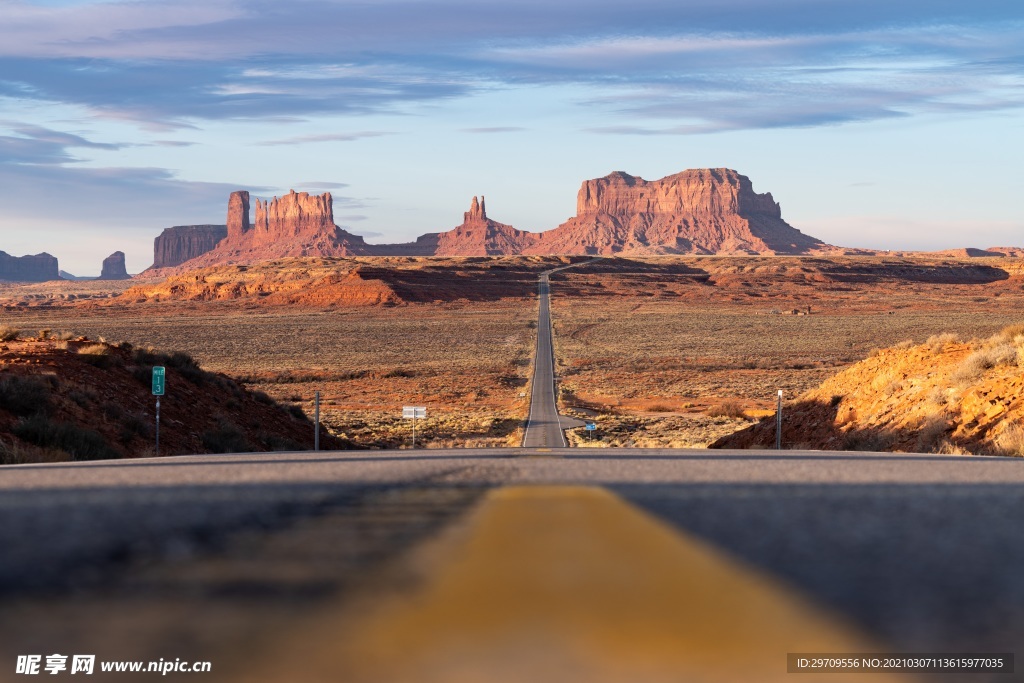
1011	440
8	333
938	342
468	356
96	354
25	395
731	409
67	409
80	442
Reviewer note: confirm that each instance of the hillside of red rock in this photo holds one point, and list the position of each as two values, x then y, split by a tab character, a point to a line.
774	284
78	399
334	282
942	396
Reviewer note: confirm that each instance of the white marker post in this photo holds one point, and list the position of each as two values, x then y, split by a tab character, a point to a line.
413	413
778	423
316	421
159	384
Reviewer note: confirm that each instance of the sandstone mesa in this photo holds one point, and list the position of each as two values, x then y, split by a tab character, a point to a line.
114	267
700	211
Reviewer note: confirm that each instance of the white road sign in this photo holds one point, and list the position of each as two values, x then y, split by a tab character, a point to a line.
412	412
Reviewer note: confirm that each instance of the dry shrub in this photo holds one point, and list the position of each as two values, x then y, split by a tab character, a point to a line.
95	354
727	409
947	447
938	342
905	344
1009	333
25	396
973	367
8	333
94	350
64	335
938	396
1011	441
868	440
931	432
79	442
14	452
660	408
893	387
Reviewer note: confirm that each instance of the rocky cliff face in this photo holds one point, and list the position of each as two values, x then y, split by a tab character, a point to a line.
176	245
701	211
114	268
38	268
296	224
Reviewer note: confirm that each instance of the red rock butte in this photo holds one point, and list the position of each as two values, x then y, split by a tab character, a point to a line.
701	211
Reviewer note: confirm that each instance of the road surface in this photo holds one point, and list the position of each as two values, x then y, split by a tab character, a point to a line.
545	428
514	564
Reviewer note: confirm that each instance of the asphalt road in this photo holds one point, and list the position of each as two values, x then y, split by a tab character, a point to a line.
216	557
545	428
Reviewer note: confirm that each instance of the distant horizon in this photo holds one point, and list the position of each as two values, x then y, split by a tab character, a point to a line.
875	125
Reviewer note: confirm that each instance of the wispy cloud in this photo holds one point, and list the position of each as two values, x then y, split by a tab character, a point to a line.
32	144
325	137
172	143
324	185
701	65
495	129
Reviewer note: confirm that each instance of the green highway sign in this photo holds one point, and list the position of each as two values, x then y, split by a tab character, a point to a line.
159	380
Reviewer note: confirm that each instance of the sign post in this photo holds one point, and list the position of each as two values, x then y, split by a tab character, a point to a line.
413	413
591	428
316	421
159	384
778	423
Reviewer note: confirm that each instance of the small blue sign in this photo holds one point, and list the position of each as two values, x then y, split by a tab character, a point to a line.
591	427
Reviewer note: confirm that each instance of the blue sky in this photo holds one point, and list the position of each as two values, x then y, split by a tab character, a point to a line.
878	124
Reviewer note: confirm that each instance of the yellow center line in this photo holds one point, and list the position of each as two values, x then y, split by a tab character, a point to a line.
575	584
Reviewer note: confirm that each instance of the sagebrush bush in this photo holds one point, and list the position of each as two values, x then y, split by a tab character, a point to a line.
973	367
79	442
13	452
24	396
226	438
938	342
726	409
1011	440
96	354
8	333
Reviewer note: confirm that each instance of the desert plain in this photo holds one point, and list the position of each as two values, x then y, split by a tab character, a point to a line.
655	350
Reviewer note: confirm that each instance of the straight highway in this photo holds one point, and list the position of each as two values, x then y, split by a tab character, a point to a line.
545	428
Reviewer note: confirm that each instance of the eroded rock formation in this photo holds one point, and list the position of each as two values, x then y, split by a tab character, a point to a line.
114	268
37	268
297	224
700	211
480	236
176	245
